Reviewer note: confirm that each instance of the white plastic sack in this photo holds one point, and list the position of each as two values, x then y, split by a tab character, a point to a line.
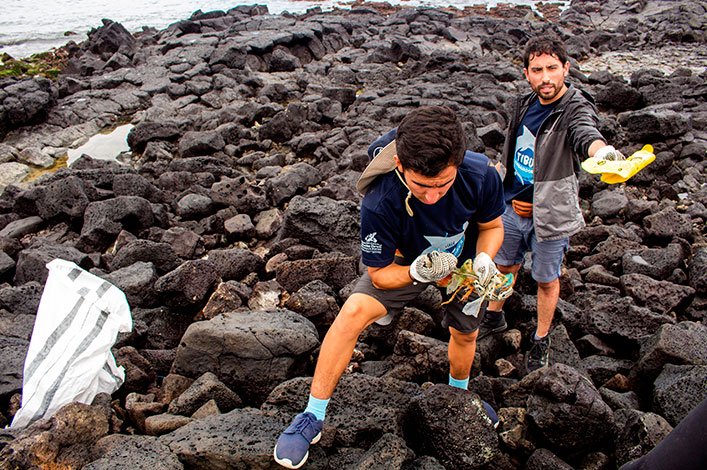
69	357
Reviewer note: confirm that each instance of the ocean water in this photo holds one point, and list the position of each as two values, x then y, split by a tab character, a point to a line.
31	26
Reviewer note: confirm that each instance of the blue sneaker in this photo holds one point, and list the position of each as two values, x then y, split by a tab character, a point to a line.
491	414
292	448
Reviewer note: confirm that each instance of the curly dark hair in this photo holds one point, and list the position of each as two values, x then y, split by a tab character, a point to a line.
544	45
429	139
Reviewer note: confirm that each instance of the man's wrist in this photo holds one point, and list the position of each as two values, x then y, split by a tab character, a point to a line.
414	281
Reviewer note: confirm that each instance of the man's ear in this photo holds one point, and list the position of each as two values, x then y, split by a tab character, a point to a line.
567	68
398	165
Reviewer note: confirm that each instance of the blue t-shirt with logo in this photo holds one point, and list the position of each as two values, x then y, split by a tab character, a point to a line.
524	158
448	225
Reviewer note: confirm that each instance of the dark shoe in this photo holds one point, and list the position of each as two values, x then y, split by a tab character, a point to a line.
491	414
539	355
491	324
292	448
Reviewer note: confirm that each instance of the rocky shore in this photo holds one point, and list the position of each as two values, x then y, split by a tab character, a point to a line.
233	231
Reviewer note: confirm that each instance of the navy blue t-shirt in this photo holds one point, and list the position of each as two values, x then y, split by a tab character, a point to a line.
521	188
448	225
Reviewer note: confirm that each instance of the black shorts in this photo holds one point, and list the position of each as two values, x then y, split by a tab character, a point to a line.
395	299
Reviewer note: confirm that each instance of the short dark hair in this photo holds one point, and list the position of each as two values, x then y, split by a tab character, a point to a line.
545	45
429	139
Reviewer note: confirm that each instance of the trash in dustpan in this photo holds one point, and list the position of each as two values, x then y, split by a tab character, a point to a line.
69	357
619	171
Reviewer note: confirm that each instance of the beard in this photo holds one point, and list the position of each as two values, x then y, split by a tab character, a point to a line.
551	90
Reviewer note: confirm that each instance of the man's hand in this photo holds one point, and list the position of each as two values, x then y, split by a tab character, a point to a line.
523	209
485	270
609	153
432	266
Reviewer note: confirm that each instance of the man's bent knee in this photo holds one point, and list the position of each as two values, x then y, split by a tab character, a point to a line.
549	285
461	337
359	311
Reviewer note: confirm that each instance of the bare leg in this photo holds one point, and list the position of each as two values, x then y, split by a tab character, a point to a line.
548	294
462	347
356	314
497	306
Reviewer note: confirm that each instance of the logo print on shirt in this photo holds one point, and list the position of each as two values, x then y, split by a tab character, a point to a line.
369	244
453	244
524	156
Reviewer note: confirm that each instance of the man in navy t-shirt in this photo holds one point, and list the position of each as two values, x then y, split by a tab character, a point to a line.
428	205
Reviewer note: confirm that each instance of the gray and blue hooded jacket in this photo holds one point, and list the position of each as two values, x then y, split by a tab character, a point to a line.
563	140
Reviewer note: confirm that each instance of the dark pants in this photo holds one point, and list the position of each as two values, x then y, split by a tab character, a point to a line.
685	448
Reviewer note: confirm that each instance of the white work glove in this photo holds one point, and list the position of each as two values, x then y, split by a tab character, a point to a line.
432	266
485	270
609	153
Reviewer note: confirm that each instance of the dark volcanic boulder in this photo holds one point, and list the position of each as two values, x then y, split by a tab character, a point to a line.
698	270
660	296
658	263
639	434
323	223
148	131
565	409
684	343
109	38
12	360
235	263
292	180
390	451
21	227
451	425
136	281
244	196
161	255
543	459
654	124
613	318
104	220
667	224
187	286
22	300
619	95
24	102
164	328
419	358
31	263
679	389
121	452
65	439
251	352
130	184
243	438
193	143
66	197
315	301
361	409
335	271
205	388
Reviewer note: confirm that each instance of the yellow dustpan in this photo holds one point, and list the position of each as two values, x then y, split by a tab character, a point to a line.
618	171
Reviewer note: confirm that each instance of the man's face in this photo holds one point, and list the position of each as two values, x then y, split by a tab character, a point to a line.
546	75
428	189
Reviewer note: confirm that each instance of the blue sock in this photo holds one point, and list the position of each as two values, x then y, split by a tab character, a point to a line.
536	337
463	384
317	407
